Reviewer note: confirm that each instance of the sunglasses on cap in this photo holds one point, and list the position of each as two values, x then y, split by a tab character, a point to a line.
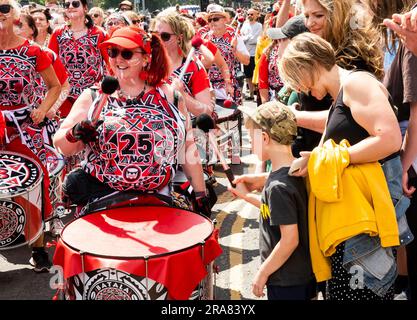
215	19
135	21
75	4
96	15
125	53
5	8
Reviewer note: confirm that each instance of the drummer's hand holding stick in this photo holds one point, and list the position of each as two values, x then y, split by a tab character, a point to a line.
196	42
241	191
205	123
38	115
86	130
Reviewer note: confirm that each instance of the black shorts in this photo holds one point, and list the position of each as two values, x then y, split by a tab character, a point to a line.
248	70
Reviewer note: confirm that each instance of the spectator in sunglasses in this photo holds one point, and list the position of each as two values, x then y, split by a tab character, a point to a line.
176	33
115	21
42	19
97	14
77	45
133	17
251	31
21	112
140	63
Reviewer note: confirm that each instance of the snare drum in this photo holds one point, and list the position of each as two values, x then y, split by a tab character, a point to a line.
138	253
20	200
55	164
229	122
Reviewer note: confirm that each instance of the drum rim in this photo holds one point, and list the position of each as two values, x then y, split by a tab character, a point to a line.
139	257
35	185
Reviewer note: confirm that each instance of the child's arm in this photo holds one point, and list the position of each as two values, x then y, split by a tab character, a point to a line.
282	251
242	192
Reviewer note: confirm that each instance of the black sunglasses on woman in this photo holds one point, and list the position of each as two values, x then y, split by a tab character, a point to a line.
75	4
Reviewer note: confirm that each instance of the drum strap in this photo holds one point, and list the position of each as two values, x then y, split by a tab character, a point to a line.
176	98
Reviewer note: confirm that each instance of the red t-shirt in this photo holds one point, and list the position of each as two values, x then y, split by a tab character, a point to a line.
269	77
84	61
195	77
19	68
211	46
263	72
60	71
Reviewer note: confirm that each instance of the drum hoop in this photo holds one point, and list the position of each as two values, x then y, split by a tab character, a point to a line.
142	257
32	187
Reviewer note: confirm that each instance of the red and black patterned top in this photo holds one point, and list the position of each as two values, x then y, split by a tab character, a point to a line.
139	143
59	69
19	69
195	77
268	71
82	58
223	43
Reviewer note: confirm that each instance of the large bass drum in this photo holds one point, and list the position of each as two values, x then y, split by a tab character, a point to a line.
21	220
138	253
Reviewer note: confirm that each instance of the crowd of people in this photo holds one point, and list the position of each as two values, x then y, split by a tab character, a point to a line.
335	84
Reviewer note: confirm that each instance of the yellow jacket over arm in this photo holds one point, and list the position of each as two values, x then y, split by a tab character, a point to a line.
345	200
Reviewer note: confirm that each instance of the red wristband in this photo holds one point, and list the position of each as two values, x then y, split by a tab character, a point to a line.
70	137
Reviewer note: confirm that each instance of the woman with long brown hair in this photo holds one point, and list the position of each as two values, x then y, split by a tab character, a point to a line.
42	19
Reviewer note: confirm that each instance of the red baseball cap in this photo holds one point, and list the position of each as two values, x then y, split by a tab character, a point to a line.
130	38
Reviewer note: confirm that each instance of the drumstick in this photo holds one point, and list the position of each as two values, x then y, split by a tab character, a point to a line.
108	86
240	20
196	42
205	122
239	10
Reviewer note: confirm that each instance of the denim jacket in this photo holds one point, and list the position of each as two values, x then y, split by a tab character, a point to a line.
378	263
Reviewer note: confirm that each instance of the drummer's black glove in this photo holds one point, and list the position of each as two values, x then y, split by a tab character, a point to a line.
84	131
202	205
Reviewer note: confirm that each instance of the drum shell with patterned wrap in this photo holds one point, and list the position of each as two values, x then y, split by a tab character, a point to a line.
21	220
156	253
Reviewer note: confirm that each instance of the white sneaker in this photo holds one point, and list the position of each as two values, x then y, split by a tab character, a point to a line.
401	296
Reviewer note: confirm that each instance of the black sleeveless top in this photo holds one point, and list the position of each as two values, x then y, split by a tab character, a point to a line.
341	125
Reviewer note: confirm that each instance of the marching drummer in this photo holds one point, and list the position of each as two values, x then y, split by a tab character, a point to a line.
20	62
176	33
76	44
143	134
